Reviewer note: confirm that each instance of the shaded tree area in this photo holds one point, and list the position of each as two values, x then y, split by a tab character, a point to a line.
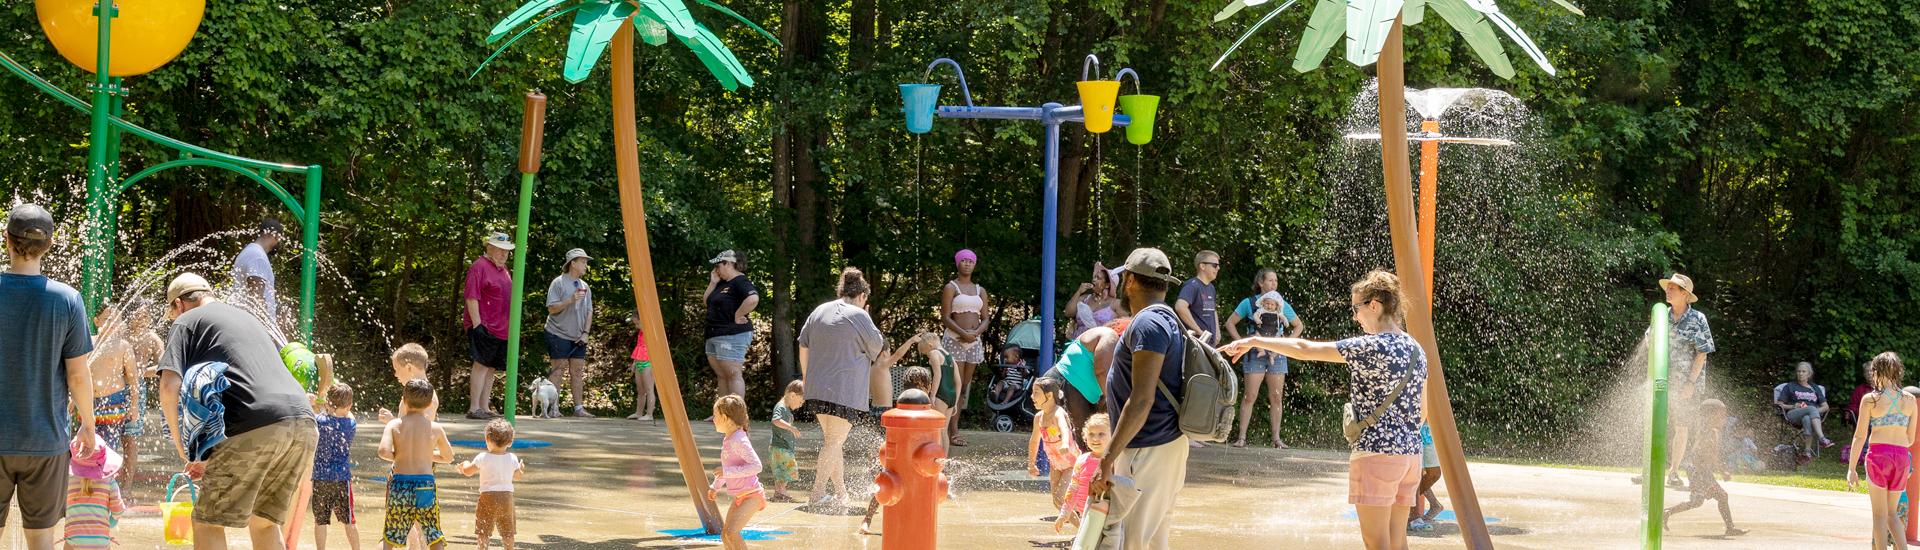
1763	148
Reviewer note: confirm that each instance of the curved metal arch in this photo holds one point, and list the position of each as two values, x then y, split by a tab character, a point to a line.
299	211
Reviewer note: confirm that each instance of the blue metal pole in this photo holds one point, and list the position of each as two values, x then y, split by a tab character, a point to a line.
1049	226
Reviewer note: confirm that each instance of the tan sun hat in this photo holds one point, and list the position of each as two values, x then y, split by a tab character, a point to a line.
184	284
1682	281
500	241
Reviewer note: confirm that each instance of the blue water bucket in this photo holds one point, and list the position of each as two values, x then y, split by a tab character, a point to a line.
920	100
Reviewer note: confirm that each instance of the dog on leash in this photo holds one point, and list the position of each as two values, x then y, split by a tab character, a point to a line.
546	398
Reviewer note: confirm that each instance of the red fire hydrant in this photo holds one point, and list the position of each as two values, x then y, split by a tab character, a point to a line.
912	485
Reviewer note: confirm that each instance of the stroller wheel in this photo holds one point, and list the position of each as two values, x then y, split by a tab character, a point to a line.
1003	423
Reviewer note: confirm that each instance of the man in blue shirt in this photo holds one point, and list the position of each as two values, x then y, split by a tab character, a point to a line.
1148	467
44	348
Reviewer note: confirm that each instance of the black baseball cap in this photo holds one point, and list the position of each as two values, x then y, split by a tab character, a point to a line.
30	221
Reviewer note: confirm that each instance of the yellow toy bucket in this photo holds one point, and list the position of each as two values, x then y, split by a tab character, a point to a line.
1096	103
176	518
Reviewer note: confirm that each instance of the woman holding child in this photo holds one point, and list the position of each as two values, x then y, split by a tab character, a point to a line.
839	348
1388	373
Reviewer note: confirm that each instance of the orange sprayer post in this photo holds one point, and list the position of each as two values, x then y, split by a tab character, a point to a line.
911	486
1429	198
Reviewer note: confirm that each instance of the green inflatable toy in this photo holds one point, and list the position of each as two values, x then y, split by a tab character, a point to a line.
301	363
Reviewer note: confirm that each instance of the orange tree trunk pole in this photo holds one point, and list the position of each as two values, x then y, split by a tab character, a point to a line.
1406	260
633	215
1429	199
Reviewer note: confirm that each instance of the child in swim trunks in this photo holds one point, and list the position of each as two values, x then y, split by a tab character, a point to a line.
498	469
333	468
1886	418
643	399
1418	519
785	468
414	444
739	471
1705	462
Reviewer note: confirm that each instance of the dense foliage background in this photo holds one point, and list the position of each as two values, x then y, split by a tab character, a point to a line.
1762	147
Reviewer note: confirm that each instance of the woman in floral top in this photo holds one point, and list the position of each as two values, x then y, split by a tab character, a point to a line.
1384	468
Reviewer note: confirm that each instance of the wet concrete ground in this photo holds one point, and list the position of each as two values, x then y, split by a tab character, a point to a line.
614	484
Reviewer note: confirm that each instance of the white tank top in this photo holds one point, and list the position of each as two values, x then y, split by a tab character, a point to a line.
966	303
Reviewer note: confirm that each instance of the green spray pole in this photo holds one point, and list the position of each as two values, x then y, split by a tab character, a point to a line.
309	249
98	141
533	122
109	199
1657	426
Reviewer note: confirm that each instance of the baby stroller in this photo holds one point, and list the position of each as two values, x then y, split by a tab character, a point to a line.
1010	388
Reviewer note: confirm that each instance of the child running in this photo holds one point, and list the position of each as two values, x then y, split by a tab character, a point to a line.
1052	432
93	497
498	469
1417	519
1704	461
333	468
739	471
1886	417
785	468
414	443
1098	432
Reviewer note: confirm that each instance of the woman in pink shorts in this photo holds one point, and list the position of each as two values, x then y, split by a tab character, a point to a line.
1886	419
1387	370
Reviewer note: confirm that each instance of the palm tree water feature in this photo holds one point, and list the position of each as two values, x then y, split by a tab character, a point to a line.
1098	99
159	31
597	27
1373	30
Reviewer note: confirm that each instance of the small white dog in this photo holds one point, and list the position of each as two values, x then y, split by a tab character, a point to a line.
546	398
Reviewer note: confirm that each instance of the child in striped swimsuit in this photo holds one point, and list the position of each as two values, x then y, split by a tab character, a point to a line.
93	498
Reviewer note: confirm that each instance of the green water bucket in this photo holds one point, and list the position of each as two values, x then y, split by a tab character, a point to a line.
1139	109
920	101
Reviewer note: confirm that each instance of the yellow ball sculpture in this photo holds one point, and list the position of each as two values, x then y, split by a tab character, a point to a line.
146	35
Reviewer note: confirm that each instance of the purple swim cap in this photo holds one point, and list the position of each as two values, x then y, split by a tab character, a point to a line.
965	255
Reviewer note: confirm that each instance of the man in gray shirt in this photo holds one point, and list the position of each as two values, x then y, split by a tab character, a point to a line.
569	316
44	350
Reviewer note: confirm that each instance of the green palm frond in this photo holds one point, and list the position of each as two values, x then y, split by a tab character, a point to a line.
526	12
522	34
1324	27
736	16
1473	26
1255	28
1506	25
1570	7
1413	13
593	28
719	60
1368	22
674	14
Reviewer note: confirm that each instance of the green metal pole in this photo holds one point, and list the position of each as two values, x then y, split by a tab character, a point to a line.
519	292
1657	426
110	194
309	250
92	266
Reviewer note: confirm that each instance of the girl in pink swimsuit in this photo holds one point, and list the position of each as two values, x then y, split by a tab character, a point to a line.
1886	418
1052	432
1098	433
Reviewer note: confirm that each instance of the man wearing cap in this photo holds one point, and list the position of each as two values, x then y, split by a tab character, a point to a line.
569	315
44	349
1149	465
1691	340
253	273
489	290
730	297
250	436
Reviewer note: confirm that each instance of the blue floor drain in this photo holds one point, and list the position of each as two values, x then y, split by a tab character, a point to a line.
701	534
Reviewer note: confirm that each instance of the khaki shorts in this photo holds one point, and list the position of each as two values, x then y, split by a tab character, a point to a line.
256	474
494	513
1383	480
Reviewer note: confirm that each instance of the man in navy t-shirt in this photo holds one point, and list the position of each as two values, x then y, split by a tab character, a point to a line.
44	349
1149	466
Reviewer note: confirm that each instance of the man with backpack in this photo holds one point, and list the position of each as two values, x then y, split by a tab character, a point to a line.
1148	466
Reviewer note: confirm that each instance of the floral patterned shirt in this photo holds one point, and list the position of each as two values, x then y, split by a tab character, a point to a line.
1690	335
1376	362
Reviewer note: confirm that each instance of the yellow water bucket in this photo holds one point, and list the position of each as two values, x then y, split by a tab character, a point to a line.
1096	103
1139	110
176	518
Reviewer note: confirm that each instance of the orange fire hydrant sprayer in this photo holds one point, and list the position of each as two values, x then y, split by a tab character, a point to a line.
912	485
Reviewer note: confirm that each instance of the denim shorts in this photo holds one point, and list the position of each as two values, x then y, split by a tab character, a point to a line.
730	348
562	348
1263	362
